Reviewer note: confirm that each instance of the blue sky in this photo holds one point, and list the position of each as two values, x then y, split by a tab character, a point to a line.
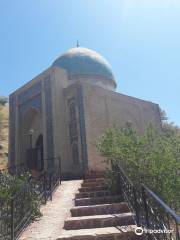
139	38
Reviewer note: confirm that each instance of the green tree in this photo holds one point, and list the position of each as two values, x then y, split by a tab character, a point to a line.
3	100
152	158
1	119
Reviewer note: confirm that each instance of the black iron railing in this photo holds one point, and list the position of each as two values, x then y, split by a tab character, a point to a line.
157	219
14	169
16	211
5	219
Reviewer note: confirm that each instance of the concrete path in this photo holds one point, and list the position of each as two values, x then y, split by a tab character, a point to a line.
50	225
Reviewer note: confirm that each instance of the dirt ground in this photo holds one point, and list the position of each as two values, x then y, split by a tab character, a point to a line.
50	225
4	136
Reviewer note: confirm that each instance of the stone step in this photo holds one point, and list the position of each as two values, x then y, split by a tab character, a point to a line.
92	175
92	194
99	221
99	209
94	180
93	184
97	200
109	233
91	189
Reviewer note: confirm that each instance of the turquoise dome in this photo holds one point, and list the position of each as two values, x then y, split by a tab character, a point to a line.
83	61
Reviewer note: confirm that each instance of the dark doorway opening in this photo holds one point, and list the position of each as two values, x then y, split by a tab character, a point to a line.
35	156
75	153
39	153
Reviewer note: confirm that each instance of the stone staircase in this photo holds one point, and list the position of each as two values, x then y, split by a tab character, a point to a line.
98	215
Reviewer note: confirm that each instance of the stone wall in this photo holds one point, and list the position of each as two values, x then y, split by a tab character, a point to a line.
72	95
105	109
50	94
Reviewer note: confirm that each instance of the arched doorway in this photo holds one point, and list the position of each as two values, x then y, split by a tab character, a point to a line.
35	156
31	141
39	153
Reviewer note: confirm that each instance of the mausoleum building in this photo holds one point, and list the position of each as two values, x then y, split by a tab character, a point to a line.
63	110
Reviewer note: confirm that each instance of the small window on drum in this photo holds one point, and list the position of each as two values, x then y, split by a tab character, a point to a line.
75	153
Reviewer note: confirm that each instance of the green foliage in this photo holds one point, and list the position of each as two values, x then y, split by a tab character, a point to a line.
1	118
152	158
163	115
12	185
3	100
111	181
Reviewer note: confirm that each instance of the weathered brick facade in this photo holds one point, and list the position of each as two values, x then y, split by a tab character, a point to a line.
71	110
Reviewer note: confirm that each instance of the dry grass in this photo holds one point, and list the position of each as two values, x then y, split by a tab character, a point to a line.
4	137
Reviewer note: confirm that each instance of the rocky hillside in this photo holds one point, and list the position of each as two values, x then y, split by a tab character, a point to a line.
4	116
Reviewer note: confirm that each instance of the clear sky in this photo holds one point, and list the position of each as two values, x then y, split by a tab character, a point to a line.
139	38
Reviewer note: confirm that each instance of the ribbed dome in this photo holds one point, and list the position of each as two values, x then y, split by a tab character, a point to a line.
85	62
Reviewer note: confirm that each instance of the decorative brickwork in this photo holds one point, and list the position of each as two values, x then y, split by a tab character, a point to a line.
29	93
12	128
49	120
82	127
35	102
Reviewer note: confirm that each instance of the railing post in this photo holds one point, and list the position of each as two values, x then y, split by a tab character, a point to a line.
177	231
12	219
45	187
145	210
50	180
60	170
136	207
119	181
117	174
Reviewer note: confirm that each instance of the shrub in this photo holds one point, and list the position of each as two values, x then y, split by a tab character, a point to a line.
152	158
3	100
1	118
12	185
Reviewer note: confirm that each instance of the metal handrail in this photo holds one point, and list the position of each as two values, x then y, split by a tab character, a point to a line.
13	217
163	204
14	166
150	210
